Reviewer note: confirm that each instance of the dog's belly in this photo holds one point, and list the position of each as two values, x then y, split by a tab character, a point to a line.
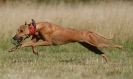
58	40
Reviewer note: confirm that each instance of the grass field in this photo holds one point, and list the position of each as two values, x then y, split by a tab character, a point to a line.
70	61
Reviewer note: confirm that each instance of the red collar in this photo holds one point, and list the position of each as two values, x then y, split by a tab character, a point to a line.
32	30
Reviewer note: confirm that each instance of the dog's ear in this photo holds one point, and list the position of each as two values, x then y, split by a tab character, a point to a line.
25	23
33	22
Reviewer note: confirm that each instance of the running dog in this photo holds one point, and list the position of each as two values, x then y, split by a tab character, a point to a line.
47	34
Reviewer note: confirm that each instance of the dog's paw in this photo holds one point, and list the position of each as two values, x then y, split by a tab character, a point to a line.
10	50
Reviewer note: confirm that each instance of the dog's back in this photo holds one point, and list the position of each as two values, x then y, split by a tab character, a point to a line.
59	34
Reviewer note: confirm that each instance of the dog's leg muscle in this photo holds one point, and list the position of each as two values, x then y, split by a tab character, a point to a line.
27	44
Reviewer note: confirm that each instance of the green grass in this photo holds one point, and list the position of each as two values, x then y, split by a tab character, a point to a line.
70	61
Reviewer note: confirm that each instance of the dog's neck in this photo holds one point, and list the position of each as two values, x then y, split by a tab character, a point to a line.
32	29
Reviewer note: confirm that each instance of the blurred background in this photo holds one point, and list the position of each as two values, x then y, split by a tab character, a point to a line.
59	1
110	18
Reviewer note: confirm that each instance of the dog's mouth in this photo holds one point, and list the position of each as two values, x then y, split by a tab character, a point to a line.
18	40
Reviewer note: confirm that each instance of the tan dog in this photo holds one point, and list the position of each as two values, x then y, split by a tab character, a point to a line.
46	34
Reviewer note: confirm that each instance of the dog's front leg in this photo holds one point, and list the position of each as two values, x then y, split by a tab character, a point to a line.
13	49
30	44
42	43
34	44
35	52
27	44
21	46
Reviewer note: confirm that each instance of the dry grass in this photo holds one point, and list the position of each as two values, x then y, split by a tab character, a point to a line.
113	20
109	19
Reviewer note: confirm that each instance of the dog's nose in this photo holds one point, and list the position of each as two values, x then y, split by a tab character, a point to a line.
15	37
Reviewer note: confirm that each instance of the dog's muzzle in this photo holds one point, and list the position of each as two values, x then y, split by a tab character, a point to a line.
17	40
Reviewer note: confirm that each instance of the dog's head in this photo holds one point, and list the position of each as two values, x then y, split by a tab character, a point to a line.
23	32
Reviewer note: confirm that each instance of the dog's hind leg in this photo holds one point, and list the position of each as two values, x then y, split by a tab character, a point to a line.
94	49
